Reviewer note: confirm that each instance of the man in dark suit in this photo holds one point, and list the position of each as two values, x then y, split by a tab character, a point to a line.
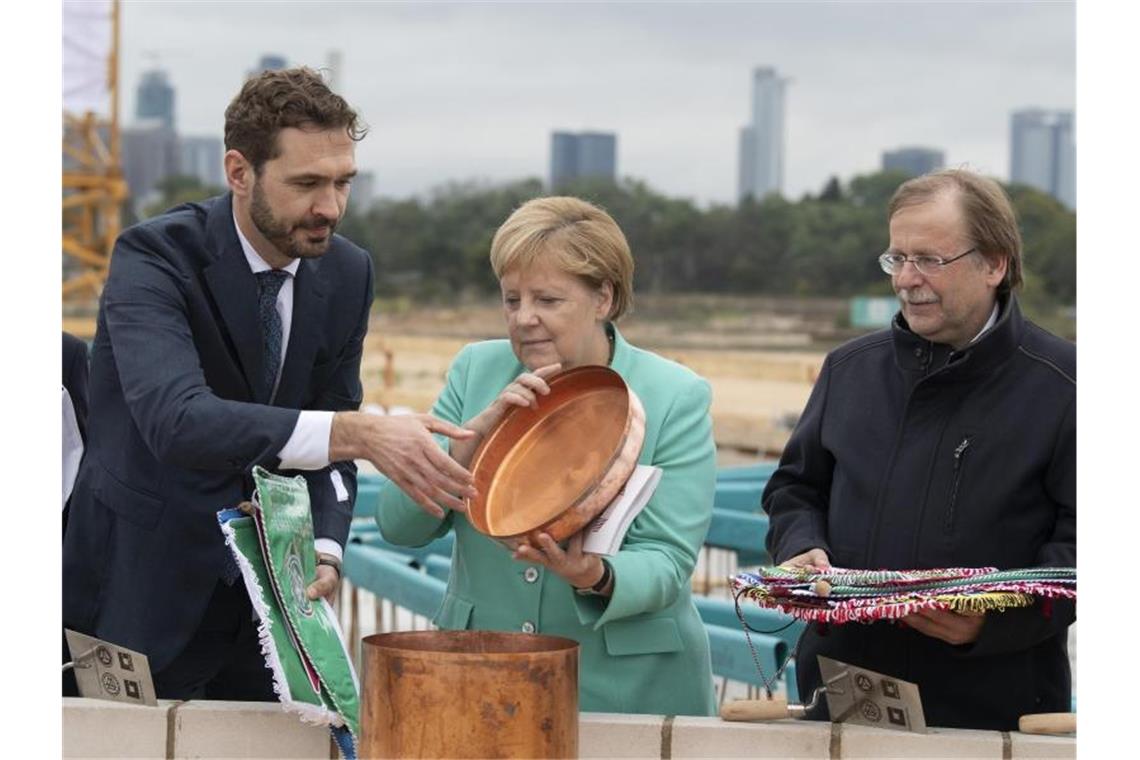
230	335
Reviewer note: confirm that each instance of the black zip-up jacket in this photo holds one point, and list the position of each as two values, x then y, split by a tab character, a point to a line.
912	455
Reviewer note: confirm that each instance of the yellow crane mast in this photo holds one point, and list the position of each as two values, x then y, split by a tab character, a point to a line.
93	194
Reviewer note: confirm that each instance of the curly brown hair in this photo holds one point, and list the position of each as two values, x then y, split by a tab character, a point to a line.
273	100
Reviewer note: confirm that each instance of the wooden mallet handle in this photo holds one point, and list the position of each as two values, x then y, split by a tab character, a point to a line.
1048	723
755	709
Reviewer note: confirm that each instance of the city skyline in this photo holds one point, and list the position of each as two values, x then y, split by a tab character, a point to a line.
459	93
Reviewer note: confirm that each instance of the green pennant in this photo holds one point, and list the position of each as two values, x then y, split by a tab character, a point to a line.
300	638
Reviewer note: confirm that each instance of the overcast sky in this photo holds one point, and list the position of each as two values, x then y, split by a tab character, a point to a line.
472	91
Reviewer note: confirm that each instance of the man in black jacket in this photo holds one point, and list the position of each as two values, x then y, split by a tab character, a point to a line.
948	440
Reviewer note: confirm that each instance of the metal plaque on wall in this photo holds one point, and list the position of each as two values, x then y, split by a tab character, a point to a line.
858	695
107	671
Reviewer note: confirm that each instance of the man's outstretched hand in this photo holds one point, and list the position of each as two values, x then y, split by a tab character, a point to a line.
402	447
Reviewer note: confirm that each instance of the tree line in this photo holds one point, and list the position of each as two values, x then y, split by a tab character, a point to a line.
823	244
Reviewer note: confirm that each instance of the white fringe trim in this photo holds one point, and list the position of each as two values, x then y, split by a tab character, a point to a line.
318	715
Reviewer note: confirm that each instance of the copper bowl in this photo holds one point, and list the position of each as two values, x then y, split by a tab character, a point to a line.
555	468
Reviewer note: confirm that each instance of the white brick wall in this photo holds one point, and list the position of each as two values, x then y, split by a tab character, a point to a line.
99	729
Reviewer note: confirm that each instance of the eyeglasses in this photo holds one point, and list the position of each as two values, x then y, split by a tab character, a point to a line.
928	266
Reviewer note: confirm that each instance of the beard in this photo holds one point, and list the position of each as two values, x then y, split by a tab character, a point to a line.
291	240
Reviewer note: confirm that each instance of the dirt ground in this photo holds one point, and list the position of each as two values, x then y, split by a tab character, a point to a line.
758	393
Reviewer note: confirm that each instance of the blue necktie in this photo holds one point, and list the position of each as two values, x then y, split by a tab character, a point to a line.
268	285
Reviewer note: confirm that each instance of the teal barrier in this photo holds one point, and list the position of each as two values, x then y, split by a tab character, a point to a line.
760	471
369	535
732	657
722	612
741	532
367	500
739	496
371	477
390	576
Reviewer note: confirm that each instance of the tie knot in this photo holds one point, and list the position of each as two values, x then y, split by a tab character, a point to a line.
270	281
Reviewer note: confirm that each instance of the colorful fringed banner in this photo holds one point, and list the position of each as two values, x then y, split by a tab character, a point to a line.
863	596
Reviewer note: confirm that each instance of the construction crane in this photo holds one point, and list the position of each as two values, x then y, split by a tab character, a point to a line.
93	186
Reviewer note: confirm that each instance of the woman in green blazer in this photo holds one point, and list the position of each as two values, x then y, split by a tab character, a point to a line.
565	270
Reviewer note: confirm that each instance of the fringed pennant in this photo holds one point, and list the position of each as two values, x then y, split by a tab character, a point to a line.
300	639
863	596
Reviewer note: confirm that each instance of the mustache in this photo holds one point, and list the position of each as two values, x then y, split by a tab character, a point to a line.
317	222
916	296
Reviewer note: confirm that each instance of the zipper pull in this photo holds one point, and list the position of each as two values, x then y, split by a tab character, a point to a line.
958	452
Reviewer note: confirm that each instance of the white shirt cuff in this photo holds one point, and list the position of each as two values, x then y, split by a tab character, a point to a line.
328	546
308	447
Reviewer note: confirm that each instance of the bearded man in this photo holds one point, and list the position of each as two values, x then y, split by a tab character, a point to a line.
230	335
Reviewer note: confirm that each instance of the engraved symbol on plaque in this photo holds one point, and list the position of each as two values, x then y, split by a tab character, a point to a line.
110	684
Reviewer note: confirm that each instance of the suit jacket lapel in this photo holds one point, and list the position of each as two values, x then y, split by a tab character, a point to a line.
234	289
304	334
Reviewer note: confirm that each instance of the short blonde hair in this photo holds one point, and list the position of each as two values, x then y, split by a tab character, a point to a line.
580	238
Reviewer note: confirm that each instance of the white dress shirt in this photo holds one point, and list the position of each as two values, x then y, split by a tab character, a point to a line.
989	322
308	446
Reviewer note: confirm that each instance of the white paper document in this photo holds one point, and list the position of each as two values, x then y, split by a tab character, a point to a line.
605	534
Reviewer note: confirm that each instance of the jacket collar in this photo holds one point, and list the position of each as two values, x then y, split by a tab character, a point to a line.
623	352
234	289
915	354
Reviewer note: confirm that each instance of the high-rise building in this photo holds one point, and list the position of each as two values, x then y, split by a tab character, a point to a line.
582	155
154	98
913	161
563	158
762	141
150	155
1043	152
1066	191
201	157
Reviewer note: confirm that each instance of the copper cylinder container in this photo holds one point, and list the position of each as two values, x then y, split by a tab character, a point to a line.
555	468
469	694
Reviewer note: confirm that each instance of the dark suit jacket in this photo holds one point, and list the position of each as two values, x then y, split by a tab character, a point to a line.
75	378
175	423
